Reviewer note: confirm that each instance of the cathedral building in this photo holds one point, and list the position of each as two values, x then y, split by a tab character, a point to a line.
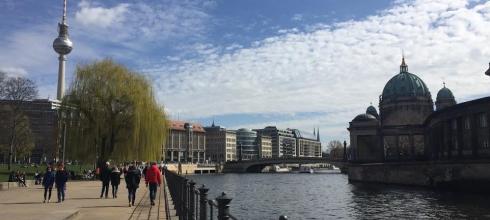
408	128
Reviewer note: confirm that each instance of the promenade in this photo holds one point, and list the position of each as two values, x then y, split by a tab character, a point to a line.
82	202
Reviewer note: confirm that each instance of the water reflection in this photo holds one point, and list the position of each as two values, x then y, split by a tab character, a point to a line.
329	196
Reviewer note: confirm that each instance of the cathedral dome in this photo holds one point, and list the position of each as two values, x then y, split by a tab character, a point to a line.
364	117
405	84
371	110
444	93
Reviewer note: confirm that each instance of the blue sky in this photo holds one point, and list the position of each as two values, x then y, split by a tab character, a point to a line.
298	64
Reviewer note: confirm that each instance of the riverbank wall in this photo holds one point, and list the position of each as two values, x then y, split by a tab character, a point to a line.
450	175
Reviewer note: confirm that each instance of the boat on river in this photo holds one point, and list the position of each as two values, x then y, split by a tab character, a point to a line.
278	169
306	169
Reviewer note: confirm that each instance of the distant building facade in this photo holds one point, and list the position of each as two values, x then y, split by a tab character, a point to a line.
307	144
43	118
220	144
186	142
246	144
283	141
265	146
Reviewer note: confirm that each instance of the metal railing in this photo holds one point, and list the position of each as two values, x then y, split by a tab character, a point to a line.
191	203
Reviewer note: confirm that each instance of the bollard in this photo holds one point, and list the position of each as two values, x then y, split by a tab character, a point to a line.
283	217
191	200
203	193
223	206
184	199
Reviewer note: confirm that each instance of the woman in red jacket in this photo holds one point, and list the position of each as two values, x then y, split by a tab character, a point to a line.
153	178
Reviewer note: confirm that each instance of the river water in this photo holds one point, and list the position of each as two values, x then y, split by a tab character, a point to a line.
330	196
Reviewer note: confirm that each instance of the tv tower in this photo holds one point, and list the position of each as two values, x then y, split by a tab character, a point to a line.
63	46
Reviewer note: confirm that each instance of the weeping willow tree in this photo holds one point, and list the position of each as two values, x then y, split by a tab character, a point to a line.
111	114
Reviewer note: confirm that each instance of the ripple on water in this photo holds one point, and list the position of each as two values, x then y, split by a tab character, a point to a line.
330	196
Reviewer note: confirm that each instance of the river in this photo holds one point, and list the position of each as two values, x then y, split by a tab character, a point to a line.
330	196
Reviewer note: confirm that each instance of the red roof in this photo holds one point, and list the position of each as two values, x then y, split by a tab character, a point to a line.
179	125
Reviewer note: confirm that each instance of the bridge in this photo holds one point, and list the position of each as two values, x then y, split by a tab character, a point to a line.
256	166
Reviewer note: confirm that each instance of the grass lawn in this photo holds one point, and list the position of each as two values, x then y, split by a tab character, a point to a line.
30	170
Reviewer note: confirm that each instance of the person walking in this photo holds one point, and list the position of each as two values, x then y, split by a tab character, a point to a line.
132	178
48	182
153	178
105	177
61	177
115	180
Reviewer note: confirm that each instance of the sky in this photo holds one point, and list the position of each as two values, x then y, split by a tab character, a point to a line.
252	63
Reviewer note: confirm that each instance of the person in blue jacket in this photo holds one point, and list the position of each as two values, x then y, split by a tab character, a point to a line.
61	177
48	182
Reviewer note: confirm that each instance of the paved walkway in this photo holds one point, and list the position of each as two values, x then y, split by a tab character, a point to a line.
82	202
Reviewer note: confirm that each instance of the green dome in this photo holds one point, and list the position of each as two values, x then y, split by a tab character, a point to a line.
372	111
405	84
444	93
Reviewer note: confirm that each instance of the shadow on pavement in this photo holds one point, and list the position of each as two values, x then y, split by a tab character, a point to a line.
104	206
21	203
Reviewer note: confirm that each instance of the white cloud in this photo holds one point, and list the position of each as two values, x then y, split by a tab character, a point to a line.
13	71
131	24
338	69
297	17
99	16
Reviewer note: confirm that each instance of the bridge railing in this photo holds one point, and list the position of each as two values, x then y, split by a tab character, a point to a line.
192	203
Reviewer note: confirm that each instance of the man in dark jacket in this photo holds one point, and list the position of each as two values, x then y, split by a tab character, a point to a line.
132	179
115	180
105	177
48	182
153	179
61	177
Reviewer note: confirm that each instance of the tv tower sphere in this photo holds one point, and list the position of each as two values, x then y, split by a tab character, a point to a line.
62	44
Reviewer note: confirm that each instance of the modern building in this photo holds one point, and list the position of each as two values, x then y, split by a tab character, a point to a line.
246	144
186	142
220	144
408	128
307	144
265	146
283	141
43	118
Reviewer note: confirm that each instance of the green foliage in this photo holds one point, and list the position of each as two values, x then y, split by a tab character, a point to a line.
112	114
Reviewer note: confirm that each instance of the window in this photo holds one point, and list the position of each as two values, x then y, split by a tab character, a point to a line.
485	144
467	123
454	124
483	120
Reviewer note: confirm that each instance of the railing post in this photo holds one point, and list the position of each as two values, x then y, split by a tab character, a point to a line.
203	193
191	200
184	199
223	206
210	202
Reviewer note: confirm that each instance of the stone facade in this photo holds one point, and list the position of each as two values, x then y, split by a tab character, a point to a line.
186	142
283	141
307	145
265	146
460	131
220	144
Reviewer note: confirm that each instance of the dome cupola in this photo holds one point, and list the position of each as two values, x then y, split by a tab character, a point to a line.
405	84
371	110
364	117
445	98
